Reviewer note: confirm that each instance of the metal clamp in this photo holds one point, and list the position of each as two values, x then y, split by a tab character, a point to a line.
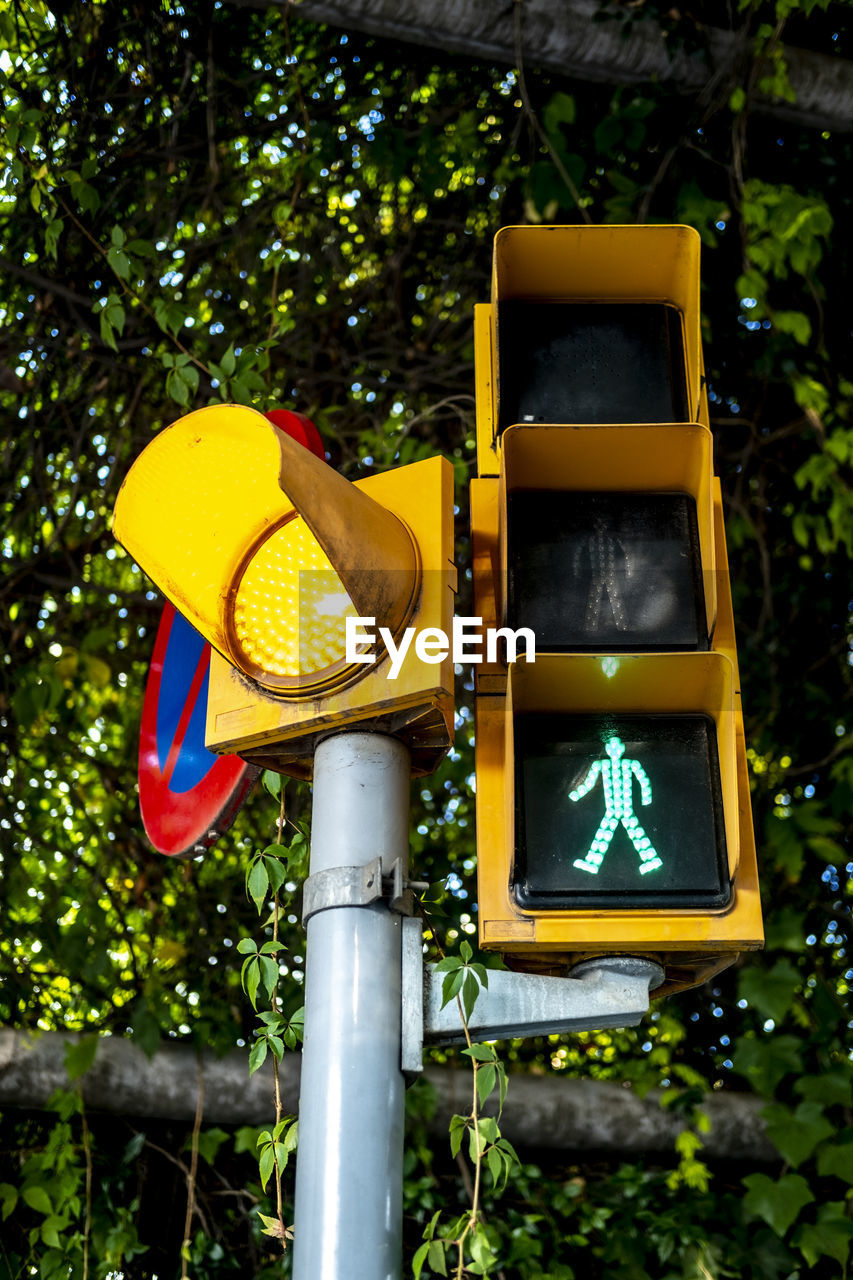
359	887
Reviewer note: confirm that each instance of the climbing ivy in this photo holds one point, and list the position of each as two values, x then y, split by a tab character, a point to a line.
217	203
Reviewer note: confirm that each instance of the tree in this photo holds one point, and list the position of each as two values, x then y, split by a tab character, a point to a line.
239	204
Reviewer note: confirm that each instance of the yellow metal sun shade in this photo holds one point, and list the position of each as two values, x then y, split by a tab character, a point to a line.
197	502
676	458
605	264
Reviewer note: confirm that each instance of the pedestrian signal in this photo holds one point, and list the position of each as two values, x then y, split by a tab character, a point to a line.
612	797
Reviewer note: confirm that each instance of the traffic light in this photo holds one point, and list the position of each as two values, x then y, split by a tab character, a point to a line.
309	588
613	812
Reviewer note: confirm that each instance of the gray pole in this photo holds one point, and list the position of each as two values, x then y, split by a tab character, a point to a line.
349	1166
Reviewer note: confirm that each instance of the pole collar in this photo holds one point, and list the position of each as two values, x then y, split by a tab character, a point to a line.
359	887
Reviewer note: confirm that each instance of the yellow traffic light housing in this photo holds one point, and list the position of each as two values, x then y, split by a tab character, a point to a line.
279	562
613	807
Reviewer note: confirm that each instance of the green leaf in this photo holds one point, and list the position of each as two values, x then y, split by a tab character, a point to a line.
295	1028
80	1056
485	1082
106	331
266	1164
245	1140
451	986
458	1125
796	323
796	1133
50	1229
488	1129
481	1251
209	1142
177	388
52	232
470	992
146	1028
419	1260
437	1257
495	1164
251	979
560	109
257	1055
277	873
8	1199
247	946
229	361
269	973
258	883
481	1052
277	851
784	930
37	1198
119	262
829	1236
771	993
837	1162
777	1203
272	781
133	1148
829	1087
764	1062
429	1229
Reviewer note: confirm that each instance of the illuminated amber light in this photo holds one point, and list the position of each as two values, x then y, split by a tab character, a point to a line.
290	607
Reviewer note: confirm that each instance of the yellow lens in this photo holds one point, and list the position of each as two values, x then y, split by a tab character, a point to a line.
291	607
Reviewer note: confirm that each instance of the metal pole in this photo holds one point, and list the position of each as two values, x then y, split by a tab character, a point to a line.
349	1167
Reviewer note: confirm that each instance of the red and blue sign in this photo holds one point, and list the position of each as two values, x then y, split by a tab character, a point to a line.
188	796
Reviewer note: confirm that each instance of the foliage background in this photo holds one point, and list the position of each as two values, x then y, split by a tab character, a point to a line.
209	202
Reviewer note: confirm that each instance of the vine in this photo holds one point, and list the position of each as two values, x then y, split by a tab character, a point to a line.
266	878
463	978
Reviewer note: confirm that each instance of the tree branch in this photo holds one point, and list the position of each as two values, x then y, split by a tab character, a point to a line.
551	1112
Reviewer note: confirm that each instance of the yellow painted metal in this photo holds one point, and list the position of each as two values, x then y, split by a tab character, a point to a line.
616	459
489	677
239	526
416	707
656	264
488	458
203	492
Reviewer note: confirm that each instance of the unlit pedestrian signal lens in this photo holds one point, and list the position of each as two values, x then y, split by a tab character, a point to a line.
593	571
587	362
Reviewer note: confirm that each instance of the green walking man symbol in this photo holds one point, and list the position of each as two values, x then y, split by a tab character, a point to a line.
616	776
